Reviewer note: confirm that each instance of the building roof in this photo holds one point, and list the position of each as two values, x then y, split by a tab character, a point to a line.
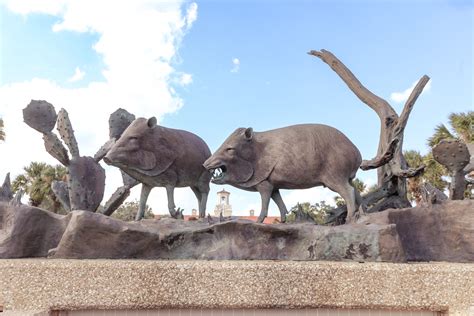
223	191
268	220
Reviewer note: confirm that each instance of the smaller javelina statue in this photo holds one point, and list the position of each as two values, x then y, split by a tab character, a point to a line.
162	157
293	157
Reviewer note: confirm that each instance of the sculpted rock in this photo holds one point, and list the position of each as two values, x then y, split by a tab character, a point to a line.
90	235
27	231
438	232
6	193
443	232
162	157
293	157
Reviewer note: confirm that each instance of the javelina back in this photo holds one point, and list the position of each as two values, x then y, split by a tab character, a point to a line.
293	157
162	157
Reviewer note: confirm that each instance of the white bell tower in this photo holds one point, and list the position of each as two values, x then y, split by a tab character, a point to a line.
223	204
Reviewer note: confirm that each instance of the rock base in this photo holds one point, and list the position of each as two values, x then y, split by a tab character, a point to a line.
442	232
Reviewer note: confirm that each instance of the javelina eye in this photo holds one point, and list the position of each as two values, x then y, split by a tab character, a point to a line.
230	150
133	139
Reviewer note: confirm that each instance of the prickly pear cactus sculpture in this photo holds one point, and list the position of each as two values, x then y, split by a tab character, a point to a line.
118	123
86	178
61	191
454	155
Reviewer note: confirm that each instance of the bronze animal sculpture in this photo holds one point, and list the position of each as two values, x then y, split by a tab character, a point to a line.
293	157
162	157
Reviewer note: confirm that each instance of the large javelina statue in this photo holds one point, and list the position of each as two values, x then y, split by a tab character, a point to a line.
162	157
293	157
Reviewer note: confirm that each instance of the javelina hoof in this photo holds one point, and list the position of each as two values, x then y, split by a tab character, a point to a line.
178	214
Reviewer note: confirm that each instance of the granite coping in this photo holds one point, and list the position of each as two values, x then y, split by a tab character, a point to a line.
57	284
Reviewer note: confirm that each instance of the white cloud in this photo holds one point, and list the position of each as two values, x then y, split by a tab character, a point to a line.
191	14
78	75
185	79
236	65
138	41
400	97
51	7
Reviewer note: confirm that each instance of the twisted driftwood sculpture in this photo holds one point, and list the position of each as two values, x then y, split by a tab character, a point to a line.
392	168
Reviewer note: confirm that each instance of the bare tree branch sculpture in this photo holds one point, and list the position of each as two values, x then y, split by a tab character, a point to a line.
392	168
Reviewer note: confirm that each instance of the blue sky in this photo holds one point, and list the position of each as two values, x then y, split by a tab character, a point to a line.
388	45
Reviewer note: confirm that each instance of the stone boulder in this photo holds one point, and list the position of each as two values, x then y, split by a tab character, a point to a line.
441	232
27	231
438	232
91	235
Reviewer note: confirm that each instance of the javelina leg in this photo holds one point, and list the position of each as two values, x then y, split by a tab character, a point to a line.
199	196
265	189
202	204
359	202
143	198
171	205
347	192
281	205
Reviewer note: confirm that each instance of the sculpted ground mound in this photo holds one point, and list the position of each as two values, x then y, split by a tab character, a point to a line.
443	232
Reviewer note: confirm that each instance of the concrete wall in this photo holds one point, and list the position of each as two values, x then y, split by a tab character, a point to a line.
38	286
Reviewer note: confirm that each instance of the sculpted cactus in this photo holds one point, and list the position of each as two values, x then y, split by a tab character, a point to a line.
86	178
66	132
454	155
118	123
40	115
60	190
55	148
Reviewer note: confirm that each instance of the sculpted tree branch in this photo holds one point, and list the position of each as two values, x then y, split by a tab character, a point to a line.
392	168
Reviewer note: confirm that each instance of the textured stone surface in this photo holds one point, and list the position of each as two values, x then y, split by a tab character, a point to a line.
39	284
441	232
90	235
28	231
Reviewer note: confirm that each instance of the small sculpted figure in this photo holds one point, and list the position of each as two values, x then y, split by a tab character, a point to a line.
162	157
293	157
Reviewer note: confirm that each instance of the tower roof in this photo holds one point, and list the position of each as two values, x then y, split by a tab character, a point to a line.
223	191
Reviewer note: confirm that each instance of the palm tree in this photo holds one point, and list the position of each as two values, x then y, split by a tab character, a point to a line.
2	132
36	182
462	128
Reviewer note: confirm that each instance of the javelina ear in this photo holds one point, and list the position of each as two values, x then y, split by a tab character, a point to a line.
151	122
248	133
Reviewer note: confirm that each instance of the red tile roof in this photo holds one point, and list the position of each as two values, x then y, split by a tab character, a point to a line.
268	220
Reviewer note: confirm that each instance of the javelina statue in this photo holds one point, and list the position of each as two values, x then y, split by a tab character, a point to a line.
293	157
162	157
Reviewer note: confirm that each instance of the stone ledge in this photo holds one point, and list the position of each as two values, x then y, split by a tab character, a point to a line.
42	284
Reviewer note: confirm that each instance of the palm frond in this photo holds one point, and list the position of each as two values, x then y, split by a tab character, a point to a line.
441	132
2	132
463	125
